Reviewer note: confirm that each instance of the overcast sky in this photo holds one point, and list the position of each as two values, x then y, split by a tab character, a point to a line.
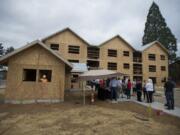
23	21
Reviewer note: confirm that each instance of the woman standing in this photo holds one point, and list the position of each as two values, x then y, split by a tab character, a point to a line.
149	89
101	93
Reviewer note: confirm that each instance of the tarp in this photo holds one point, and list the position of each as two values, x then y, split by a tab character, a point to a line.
79	67
99	74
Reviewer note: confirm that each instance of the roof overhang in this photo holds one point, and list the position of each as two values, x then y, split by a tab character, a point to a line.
4	59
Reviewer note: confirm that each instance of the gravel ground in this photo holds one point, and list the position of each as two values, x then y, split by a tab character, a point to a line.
86	120
71	117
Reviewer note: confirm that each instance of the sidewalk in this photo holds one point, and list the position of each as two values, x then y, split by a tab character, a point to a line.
154	105
160	106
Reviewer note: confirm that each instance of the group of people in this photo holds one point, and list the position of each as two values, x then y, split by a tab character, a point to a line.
120	87
147	88
115	88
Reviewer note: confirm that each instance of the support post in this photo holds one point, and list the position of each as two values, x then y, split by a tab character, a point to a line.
84	93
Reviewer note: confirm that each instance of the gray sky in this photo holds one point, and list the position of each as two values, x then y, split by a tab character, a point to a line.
23	21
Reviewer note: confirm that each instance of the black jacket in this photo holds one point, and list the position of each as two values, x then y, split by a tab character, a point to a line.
139	86
169	86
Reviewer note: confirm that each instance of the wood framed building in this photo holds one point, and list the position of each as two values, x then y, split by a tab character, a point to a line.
27	66
114	54
155	62
53	55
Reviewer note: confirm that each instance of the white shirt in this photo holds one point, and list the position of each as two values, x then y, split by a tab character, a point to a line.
149	87
97	81
126	81
134	84
119	83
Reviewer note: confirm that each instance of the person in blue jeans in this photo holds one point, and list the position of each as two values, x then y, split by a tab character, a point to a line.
169	93
113	86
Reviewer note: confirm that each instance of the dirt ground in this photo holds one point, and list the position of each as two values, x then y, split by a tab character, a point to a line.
1	96
71	117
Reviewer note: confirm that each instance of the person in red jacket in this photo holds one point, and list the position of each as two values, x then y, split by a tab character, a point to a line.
102	83
129	86
101	90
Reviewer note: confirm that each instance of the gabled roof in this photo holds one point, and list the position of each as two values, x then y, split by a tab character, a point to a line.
5	58
145	47
63	30
117	36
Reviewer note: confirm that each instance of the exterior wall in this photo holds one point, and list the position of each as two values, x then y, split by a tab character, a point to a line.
35	58
68	38
120	46
65	39
68	81
157	50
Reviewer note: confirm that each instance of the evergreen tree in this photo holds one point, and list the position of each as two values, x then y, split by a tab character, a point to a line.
1	49
157	29
9	49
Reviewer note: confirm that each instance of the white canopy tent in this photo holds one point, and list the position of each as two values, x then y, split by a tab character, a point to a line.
97	74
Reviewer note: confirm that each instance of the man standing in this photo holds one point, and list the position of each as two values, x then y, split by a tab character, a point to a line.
113	85
139	90
144	90
169	93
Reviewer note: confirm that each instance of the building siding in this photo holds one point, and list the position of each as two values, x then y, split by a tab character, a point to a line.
68	38
120	46
155	49
35	57
64	40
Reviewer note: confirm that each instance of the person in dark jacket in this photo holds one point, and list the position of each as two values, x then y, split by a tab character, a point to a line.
128	90
139	90
101	90
169	93
144	90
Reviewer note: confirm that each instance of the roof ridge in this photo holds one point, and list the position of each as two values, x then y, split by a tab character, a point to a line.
146	46
116	36
62	30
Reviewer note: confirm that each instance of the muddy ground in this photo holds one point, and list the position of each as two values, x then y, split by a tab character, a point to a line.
71	117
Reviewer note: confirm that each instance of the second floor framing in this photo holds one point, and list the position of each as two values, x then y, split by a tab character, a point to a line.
115	50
